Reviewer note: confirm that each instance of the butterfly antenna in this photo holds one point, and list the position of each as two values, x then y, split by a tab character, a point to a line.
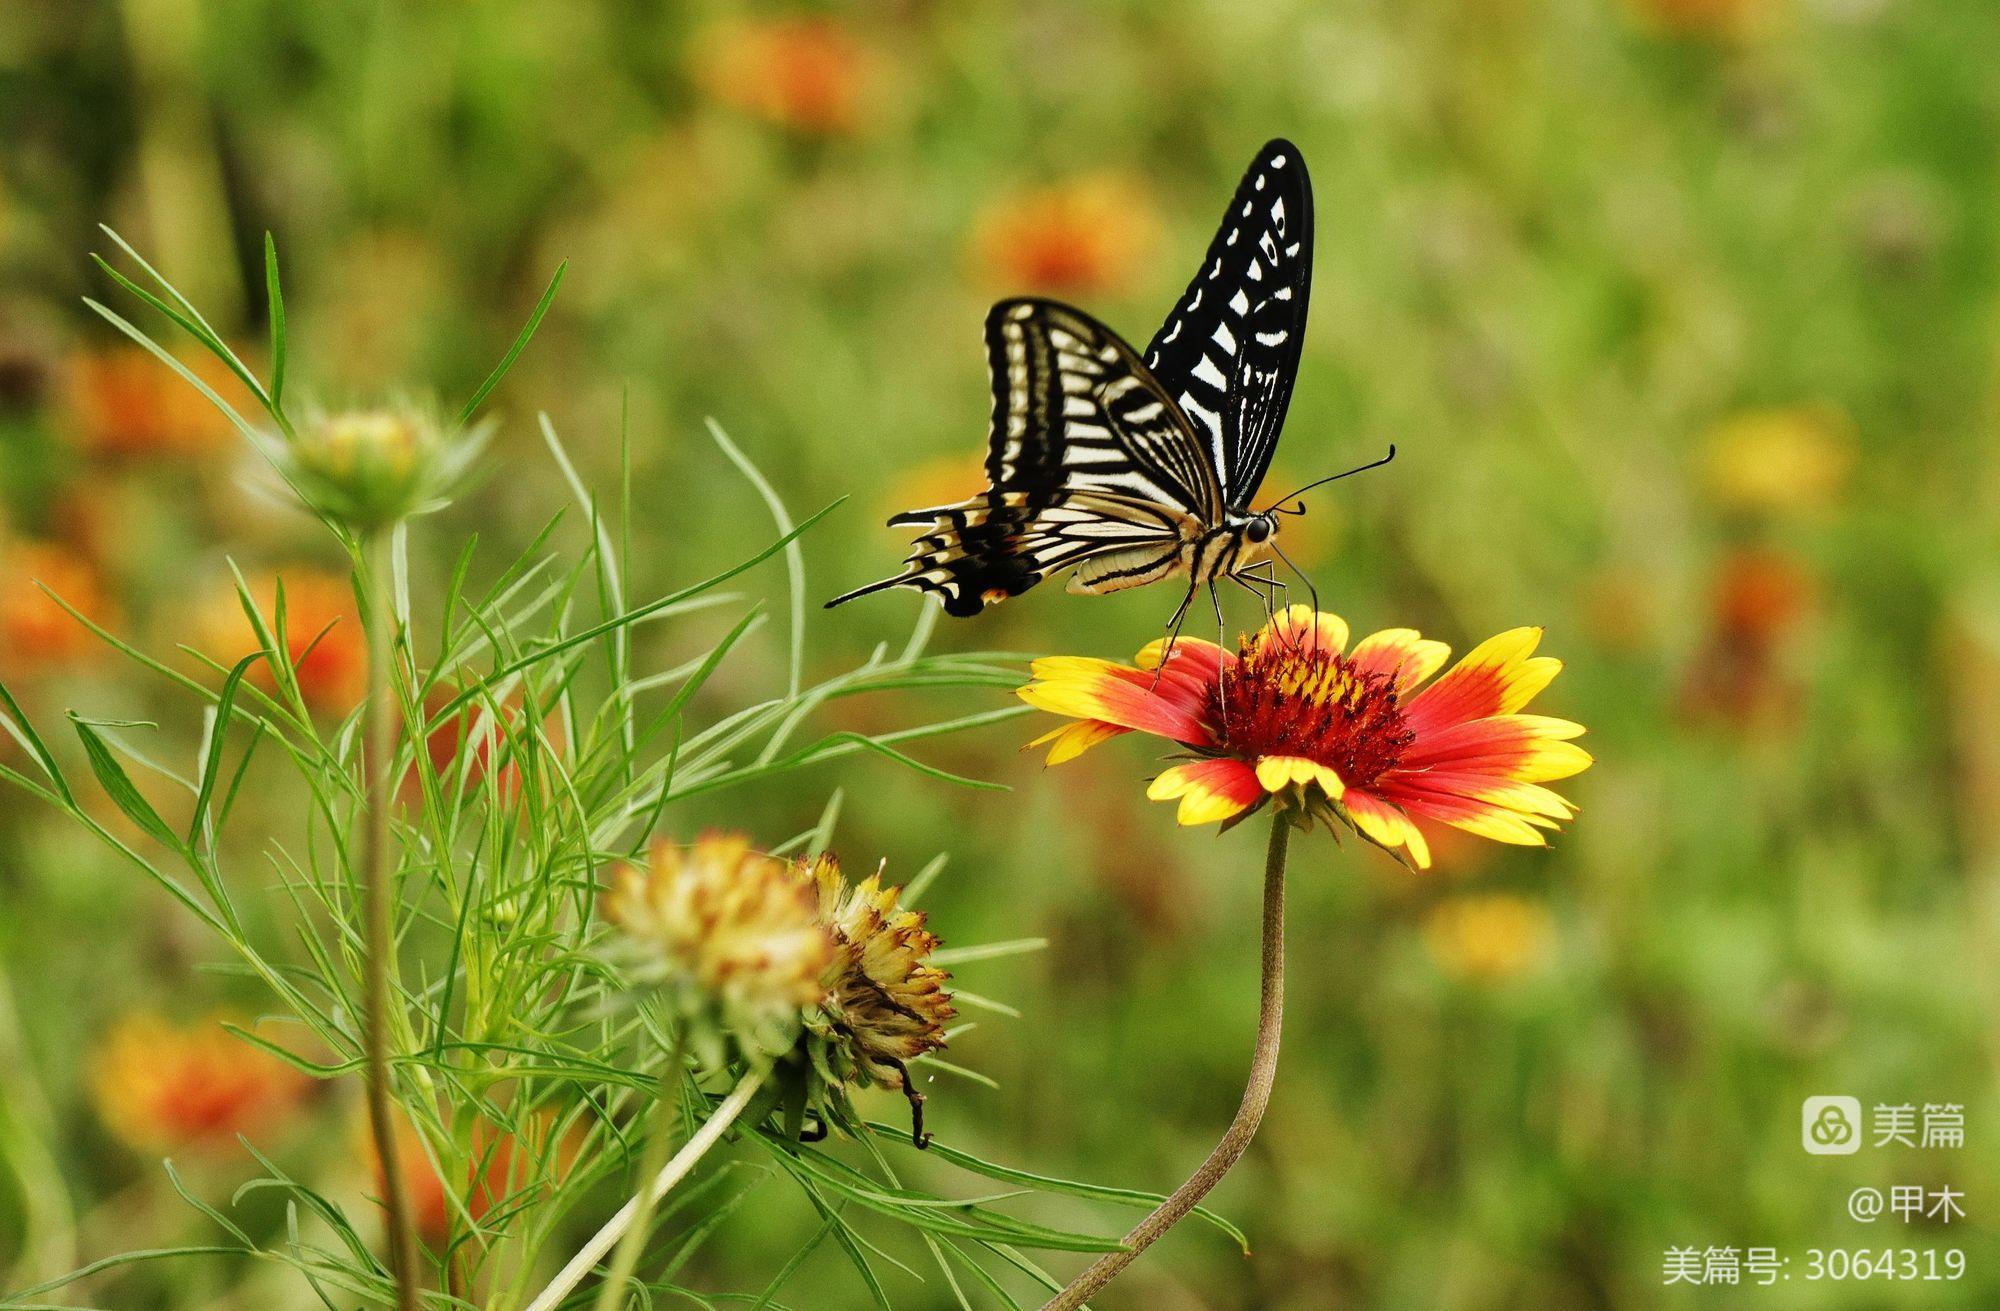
1283	504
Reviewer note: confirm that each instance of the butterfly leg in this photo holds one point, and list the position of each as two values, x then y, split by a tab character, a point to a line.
1256	585
1311	590
1267	585
1221	644
1173	633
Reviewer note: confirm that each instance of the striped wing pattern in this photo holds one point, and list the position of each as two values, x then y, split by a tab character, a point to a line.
1089	455
1230	349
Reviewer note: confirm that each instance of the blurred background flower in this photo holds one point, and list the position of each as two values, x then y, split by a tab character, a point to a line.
1081	237
37	635
163	1087
1487	937
327	649
807	73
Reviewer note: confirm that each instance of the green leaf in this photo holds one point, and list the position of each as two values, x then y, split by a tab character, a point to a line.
212	757
275	298
22	731
1131	1197
514	351
118	785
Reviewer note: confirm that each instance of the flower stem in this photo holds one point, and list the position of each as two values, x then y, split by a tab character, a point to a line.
665	1102
674	1171
1263	1071
378	735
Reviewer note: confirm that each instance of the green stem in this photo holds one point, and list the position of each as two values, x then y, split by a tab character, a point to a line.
659	1136
1263	1072
378	735
663	1183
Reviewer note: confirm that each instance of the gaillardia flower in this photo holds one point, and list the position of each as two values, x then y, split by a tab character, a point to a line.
732	933
1353	735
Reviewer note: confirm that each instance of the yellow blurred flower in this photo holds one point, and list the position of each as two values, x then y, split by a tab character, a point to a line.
1081	237
1488	937
159	1086
121	401
323	635
1776	461
729	929
884	1004
808	74
38	636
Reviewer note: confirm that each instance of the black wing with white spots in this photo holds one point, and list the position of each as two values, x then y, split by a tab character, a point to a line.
1229	351
1089	455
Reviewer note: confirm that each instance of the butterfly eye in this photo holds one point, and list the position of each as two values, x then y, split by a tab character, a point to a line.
1257	530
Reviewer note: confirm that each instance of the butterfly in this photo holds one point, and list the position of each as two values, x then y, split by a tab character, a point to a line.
1129	469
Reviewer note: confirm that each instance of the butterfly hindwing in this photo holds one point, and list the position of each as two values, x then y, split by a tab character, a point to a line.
1088	456
1230	349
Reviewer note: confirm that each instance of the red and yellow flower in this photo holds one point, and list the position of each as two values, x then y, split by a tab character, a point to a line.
1360	736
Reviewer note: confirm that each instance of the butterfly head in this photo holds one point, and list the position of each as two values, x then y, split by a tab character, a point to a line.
1260	528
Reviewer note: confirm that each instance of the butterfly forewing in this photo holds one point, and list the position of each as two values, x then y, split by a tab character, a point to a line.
1229	350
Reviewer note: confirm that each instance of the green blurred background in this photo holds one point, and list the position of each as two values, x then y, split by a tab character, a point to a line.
1680	312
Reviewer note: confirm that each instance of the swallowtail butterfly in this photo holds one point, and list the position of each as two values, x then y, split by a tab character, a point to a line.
1129	468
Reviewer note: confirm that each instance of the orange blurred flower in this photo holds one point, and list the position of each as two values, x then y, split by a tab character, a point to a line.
160	1086
124	402
1715	20
1739	676
1080	237
471	736
36	634
1794	459
804	73
501	1165
1489	937
323	634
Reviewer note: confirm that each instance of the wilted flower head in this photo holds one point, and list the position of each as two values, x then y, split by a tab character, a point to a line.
732	933
885	1005
1353	736
882	1004
159	1086
367	469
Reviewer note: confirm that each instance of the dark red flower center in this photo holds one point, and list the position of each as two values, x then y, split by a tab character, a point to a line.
1285	700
